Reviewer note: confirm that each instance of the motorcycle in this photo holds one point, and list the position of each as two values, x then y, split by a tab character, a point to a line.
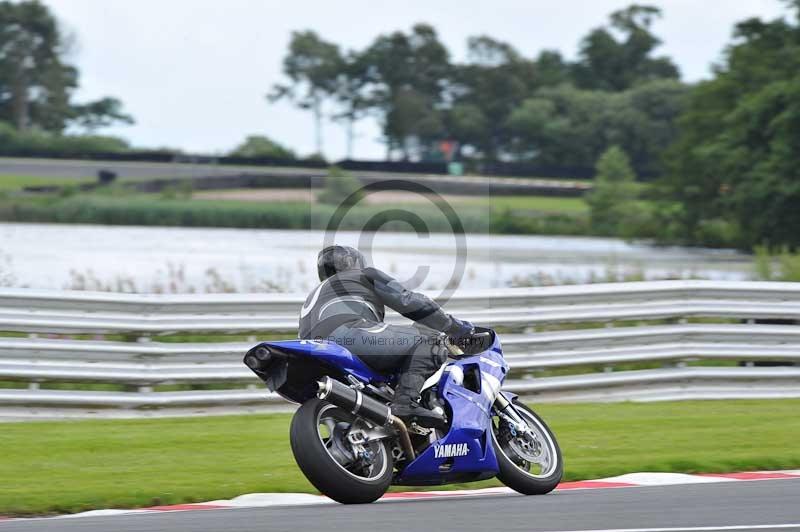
351	448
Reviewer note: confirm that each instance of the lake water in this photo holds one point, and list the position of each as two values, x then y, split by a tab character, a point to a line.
168	259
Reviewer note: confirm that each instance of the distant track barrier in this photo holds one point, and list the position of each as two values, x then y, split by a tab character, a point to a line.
89	354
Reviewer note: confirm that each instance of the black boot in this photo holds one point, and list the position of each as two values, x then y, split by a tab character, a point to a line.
408	409
416	413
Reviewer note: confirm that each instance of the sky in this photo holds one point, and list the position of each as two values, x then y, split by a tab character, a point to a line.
194	73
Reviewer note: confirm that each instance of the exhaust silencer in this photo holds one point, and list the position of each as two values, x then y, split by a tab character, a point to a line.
257	358
354	401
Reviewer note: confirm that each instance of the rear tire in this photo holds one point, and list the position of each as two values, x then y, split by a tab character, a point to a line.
512	467
345	483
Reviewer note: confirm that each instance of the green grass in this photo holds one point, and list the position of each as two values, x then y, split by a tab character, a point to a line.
545	204
50	467
116	205
114	208
17	182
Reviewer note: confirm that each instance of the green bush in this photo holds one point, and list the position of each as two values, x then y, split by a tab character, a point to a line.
613	192
315	158
182	190
68	191
783	265
639	219
261	146
669	216
509	221
718	233
341	188
37	142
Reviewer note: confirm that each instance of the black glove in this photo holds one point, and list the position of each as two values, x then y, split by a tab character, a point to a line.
459	329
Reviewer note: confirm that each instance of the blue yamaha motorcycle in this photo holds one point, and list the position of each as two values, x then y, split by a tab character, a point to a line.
350	446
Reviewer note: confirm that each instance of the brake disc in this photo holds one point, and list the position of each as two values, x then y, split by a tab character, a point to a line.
525	446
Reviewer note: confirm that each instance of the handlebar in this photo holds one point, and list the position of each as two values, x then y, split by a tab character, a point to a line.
455	350
452	348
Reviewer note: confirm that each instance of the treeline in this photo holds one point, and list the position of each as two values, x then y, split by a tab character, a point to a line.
727	149
499	104
37	85
733	176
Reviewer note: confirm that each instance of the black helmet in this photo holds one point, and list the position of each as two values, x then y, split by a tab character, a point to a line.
334	259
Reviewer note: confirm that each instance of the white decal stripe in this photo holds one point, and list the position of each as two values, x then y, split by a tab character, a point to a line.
491	385
490	362
307	308
434	379
689	528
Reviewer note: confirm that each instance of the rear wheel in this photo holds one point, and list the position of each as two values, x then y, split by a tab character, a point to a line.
347	472
529	461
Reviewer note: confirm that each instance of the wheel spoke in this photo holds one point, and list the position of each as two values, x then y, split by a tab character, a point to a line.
330	423
540	459
532	451
337	423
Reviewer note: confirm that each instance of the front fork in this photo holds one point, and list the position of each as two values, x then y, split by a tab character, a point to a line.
506	410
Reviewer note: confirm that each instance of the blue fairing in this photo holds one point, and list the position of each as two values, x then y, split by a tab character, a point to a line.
329	353
468	385
471	424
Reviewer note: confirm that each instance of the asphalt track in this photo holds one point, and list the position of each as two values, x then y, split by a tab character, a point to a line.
67	168
718	507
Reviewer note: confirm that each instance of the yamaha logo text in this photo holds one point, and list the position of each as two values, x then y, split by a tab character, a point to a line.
450	450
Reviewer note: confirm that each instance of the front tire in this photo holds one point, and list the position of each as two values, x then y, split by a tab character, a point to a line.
321	450
528	466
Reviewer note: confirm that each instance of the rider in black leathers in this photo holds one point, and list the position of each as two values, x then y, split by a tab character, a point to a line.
348	308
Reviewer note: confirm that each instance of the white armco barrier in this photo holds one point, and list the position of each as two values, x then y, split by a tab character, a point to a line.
44	353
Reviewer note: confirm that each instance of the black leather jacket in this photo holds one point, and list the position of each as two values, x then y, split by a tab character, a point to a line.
354	295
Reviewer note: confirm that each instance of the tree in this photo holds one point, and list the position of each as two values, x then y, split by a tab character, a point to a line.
607	63
408	73
312	66
499	104
488	89
552	69
538	131
351	95
567	126
99	114
467	123
613	192
36	83
735	168
655	107
562	126
261	146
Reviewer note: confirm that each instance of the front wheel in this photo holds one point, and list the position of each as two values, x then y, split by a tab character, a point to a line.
529	461
347	472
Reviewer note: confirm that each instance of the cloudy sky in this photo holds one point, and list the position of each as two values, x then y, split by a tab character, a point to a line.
194	72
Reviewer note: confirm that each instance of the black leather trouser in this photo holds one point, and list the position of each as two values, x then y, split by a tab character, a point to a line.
413	351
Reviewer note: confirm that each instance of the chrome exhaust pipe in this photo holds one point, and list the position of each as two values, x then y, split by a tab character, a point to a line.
353	401
365	406
405	439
